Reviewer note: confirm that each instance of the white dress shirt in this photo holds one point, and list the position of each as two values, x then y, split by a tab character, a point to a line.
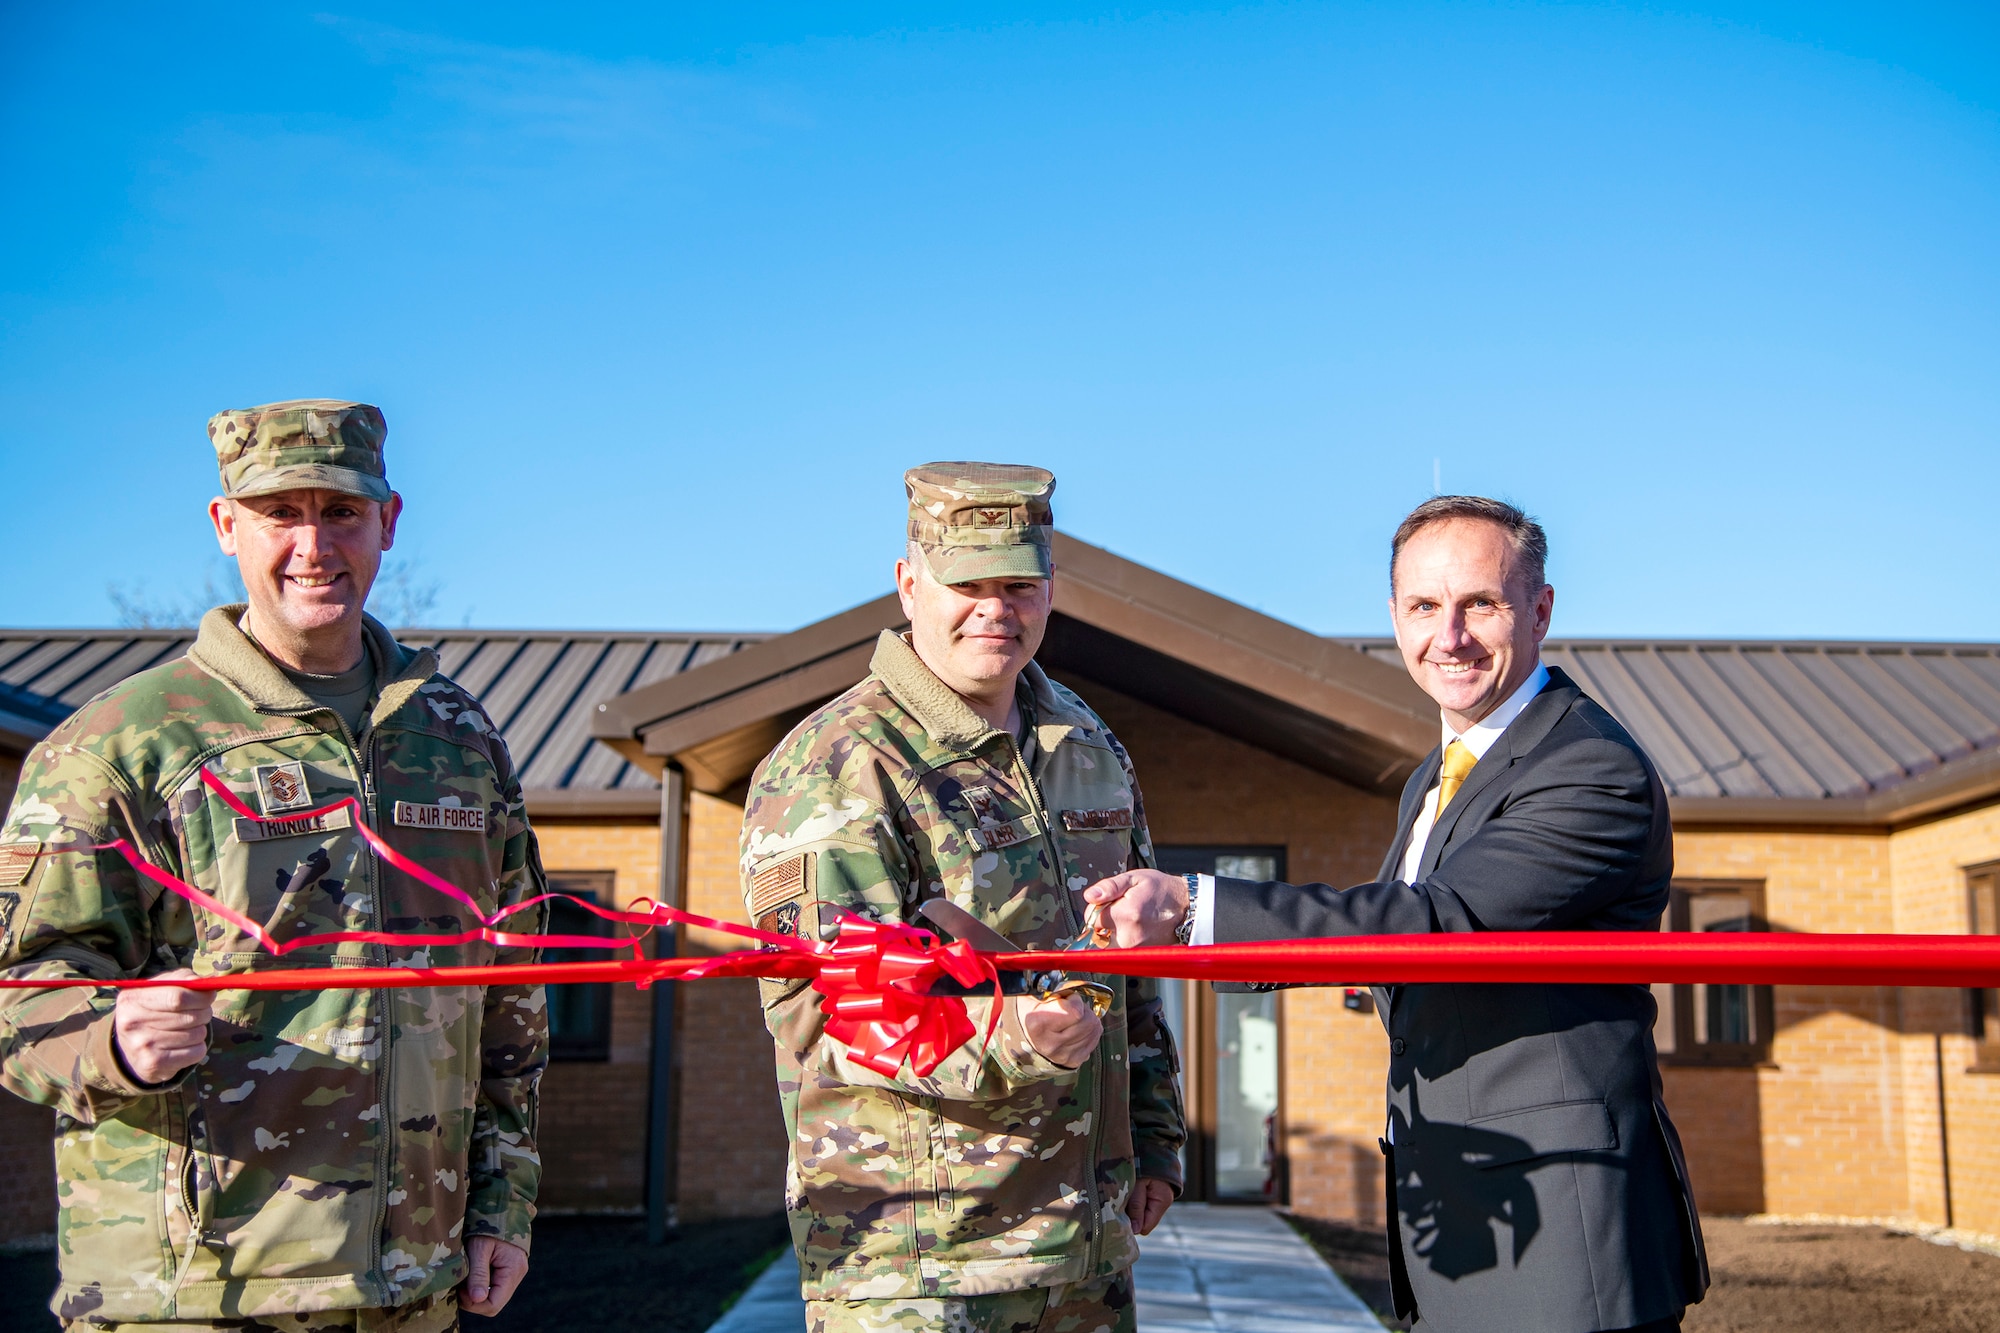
1478	738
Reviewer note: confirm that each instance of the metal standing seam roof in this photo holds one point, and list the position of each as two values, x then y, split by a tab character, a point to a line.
539	686
1787	720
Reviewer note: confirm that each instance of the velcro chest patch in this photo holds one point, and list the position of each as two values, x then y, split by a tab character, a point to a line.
992	830
445	818
282	787
993	837
1091	821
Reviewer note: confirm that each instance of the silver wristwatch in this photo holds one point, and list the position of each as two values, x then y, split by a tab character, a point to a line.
1184	932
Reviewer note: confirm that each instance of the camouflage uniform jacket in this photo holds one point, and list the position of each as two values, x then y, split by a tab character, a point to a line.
997	1172
335	1147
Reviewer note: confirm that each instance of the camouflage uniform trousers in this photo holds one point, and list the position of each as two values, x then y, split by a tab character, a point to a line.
437	1314
1101	1306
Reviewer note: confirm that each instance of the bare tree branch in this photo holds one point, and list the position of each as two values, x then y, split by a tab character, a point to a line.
139	608
402	597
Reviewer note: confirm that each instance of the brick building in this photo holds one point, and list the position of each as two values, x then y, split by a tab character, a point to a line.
1815	787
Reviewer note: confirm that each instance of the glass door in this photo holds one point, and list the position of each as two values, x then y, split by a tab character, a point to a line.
1229	1043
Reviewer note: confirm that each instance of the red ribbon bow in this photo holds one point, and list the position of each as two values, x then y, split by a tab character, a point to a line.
876	981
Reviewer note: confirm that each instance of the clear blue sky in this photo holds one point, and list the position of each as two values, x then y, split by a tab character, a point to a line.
660	300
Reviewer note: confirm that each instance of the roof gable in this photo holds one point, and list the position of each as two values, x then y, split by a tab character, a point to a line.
1155	638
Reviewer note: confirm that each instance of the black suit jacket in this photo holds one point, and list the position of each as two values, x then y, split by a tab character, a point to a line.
1535	1178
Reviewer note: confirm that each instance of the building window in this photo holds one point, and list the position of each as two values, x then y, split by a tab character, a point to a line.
1715	1025
579	1011
1982	886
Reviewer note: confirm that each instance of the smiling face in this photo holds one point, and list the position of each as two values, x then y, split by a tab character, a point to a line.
308	559
975	637
1467	622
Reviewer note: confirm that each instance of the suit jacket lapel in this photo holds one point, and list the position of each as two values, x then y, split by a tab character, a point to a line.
1420	782
1522	736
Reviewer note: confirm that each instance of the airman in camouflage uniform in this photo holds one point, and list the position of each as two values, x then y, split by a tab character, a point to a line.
332	1157
1001	1191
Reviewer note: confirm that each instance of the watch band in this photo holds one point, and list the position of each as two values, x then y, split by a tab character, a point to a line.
1184	932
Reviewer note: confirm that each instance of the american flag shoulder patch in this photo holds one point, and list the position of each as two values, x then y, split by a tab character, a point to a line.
17	862
779	883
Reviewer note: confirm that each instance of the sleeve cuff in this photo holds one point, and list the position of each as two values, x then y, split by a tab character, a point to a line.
513	1224
1204	912
1160	1161
104	1068
1017	1057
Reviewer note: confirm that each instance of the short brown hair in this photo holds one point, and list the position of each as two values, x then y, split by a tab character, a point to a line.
1531	544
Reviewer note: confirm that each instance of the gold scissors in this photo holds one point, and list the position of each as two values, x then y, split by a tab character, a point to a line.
963	925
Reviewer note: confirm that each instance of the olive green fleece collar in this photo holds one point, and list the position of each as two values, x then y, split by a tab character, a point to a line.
224	651
948	719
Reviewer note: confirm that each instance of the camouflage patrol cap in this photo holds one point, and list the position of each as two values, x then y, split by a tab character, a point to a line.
303	444
982	520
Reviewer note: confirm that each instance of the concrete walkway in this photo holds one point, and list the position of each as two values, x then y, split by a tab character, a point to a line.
1207	1269
1204	1270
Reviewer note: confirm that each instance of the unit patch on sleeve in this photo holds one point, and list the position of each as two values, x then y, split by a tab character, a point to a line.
776	894
1085	821
450	818
10	903
282	787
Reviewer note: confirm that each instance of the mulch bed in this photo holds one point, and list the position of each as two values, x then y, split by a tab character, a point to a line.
1821	1279
1771	1279
588	1274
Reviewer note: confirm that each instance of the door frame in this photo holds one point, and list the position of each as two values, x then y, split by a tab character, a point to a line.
1198	1056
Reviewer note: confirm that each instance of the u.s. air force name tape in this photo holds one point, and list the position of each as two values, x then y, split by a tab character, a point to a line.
450	818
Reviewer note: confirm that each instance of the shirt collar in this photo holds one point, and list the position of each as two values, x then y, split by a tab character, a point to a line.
1479	737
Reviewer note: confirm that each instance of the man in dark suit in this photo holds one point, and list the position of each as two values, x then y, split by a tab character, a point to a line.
1534	1179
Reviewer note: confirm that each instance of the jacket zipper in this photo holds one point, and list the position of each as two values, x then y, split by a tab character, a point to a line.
188	1201
190	1206
378	1014
1095	1230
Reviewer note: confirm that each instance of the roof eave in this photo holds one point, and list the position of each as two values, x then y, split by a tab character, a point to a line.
626	717
584	803
1232	641
1966	781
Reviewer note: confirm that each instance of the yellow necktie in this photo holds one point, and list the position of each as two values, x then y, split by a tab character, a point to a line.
1457	766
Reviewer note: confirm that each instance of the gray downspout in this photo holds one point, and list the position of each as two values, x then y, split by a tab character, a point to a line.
1944	1130
663	1084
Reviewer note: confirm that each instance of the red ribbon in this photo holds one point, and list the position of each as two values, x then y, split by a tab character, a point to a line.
1552	957
649	916
875	979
